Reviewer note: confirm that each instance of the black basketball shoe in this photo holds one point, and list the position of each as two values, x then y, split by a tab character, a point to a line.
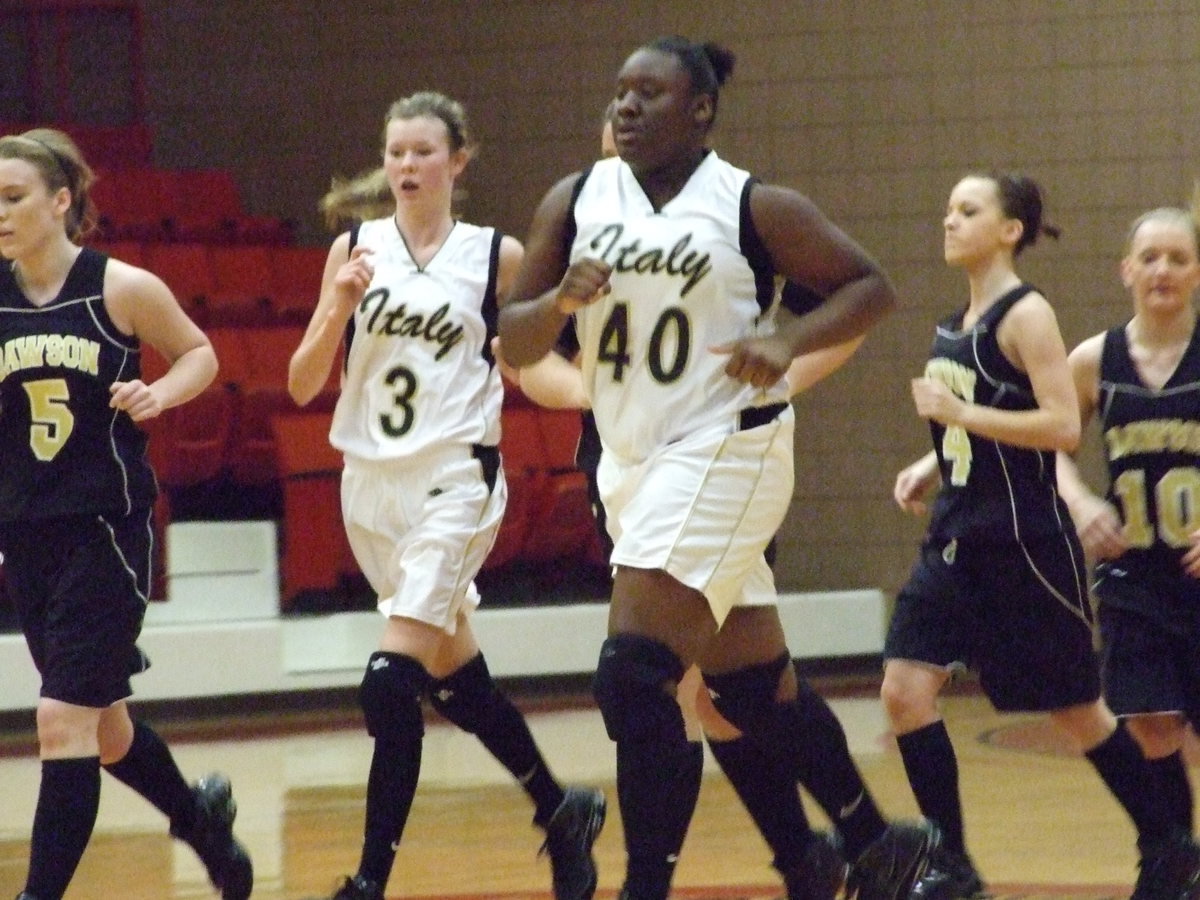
892	864
358	888
1169	871
228	863
950	876
822	873
570	834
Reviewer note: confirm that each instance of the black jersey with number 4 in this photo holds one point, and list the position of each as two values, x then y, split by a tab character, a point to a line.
65	451
990	490
1152	444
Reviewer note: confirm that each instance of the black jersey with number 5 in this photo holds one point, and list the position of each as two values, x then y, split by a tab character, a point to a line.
990	490
1152	444
65	451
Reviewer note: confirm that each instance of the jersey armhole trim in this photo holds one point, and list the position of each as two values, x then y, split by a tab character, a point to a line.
755	251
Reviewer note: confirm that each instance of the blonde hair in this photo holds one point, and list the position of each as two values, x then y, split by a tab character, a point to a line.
368	195
60	165
1188	219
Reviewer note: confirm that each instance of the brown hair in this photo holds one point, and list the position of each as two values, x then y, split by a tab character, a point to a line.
60	165
368	196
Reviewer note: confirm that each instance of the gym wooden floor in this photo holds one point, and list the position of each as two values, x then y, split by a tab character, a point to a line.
1039	822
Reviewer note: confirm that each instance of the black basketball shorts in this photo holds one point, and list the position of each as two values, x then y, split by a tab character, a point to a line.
1018	613
79	585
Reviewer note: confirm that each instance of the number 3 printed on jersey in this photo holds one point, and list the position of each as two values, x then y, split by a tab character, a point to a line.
399	421
672	323
50	419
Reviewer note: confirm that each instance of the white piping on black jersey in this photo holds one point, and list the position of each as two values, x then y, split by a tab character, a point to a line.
1080	608
112	444
112	539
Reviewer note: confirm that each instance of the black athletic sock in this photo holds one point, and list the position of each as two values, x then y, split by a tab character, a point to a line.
932	768
827	770
391	786
150	769
658	786
1175	790
469	698
62	824
1128	775
767	788
390	696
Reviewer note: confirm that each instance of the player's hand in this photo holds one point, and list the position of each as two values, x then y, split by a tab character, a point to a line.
1099	528
1191	559
584	282
354	276
936	401
135	398
913	485
760	361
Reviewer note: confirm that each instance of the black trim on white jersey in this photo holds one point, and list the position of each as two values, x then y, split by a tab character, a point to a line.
490	309
571	228
349	337
755	250
799	299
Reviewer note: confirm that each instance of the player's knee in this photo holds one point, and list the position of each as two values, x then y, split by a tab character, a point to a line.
633	689
390	696
467	697
907	700
747	697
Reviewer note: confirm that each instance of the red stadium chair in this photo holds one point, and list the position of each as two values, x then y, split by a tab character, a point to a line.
188	271
296	274
241	293
314	545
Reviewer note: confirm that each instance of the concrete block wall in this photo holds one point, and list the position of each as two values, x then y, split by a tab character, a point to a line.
872	107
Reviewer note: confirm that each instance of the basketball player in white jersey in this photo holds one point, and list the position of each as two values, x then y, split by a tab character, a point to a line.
412	293
666	257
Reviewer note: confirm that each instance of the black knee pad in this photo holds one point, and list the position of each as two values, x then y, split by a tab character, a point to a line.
466	697
390	696
746	697
631	689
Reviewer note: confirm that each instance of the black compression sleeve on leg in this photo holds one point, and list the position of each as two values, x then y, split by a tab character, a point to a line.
470	699
390	696
658	769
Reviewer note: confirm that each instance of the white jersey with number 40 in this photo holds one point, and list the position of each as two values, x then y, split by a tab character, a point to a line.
681	285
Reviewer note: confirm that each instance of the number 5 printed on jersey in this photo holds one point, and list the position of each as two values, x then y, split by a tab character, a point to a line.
51	420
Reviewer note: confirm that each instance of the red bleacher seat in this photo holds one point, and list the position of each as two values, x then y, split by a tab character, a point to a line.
208	207
132	252
264	394
189	444
521	455
296	274
134	203
188	271
242	286
313	538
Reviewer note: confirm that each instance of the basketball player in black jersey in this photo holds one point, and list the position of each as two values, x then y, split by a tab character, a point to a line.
76	495
1000	581
1142	381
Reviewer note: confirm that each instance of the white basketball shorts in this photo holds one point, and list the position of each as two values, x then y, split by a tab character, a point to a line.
704	508
421	529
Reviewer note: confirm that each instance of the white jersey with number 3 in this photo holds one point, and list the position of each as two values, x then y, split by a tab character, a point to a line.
681	285
418	370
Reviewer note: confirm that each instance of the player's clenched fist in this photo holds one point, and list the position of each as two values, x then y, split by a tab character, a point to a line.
585	282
